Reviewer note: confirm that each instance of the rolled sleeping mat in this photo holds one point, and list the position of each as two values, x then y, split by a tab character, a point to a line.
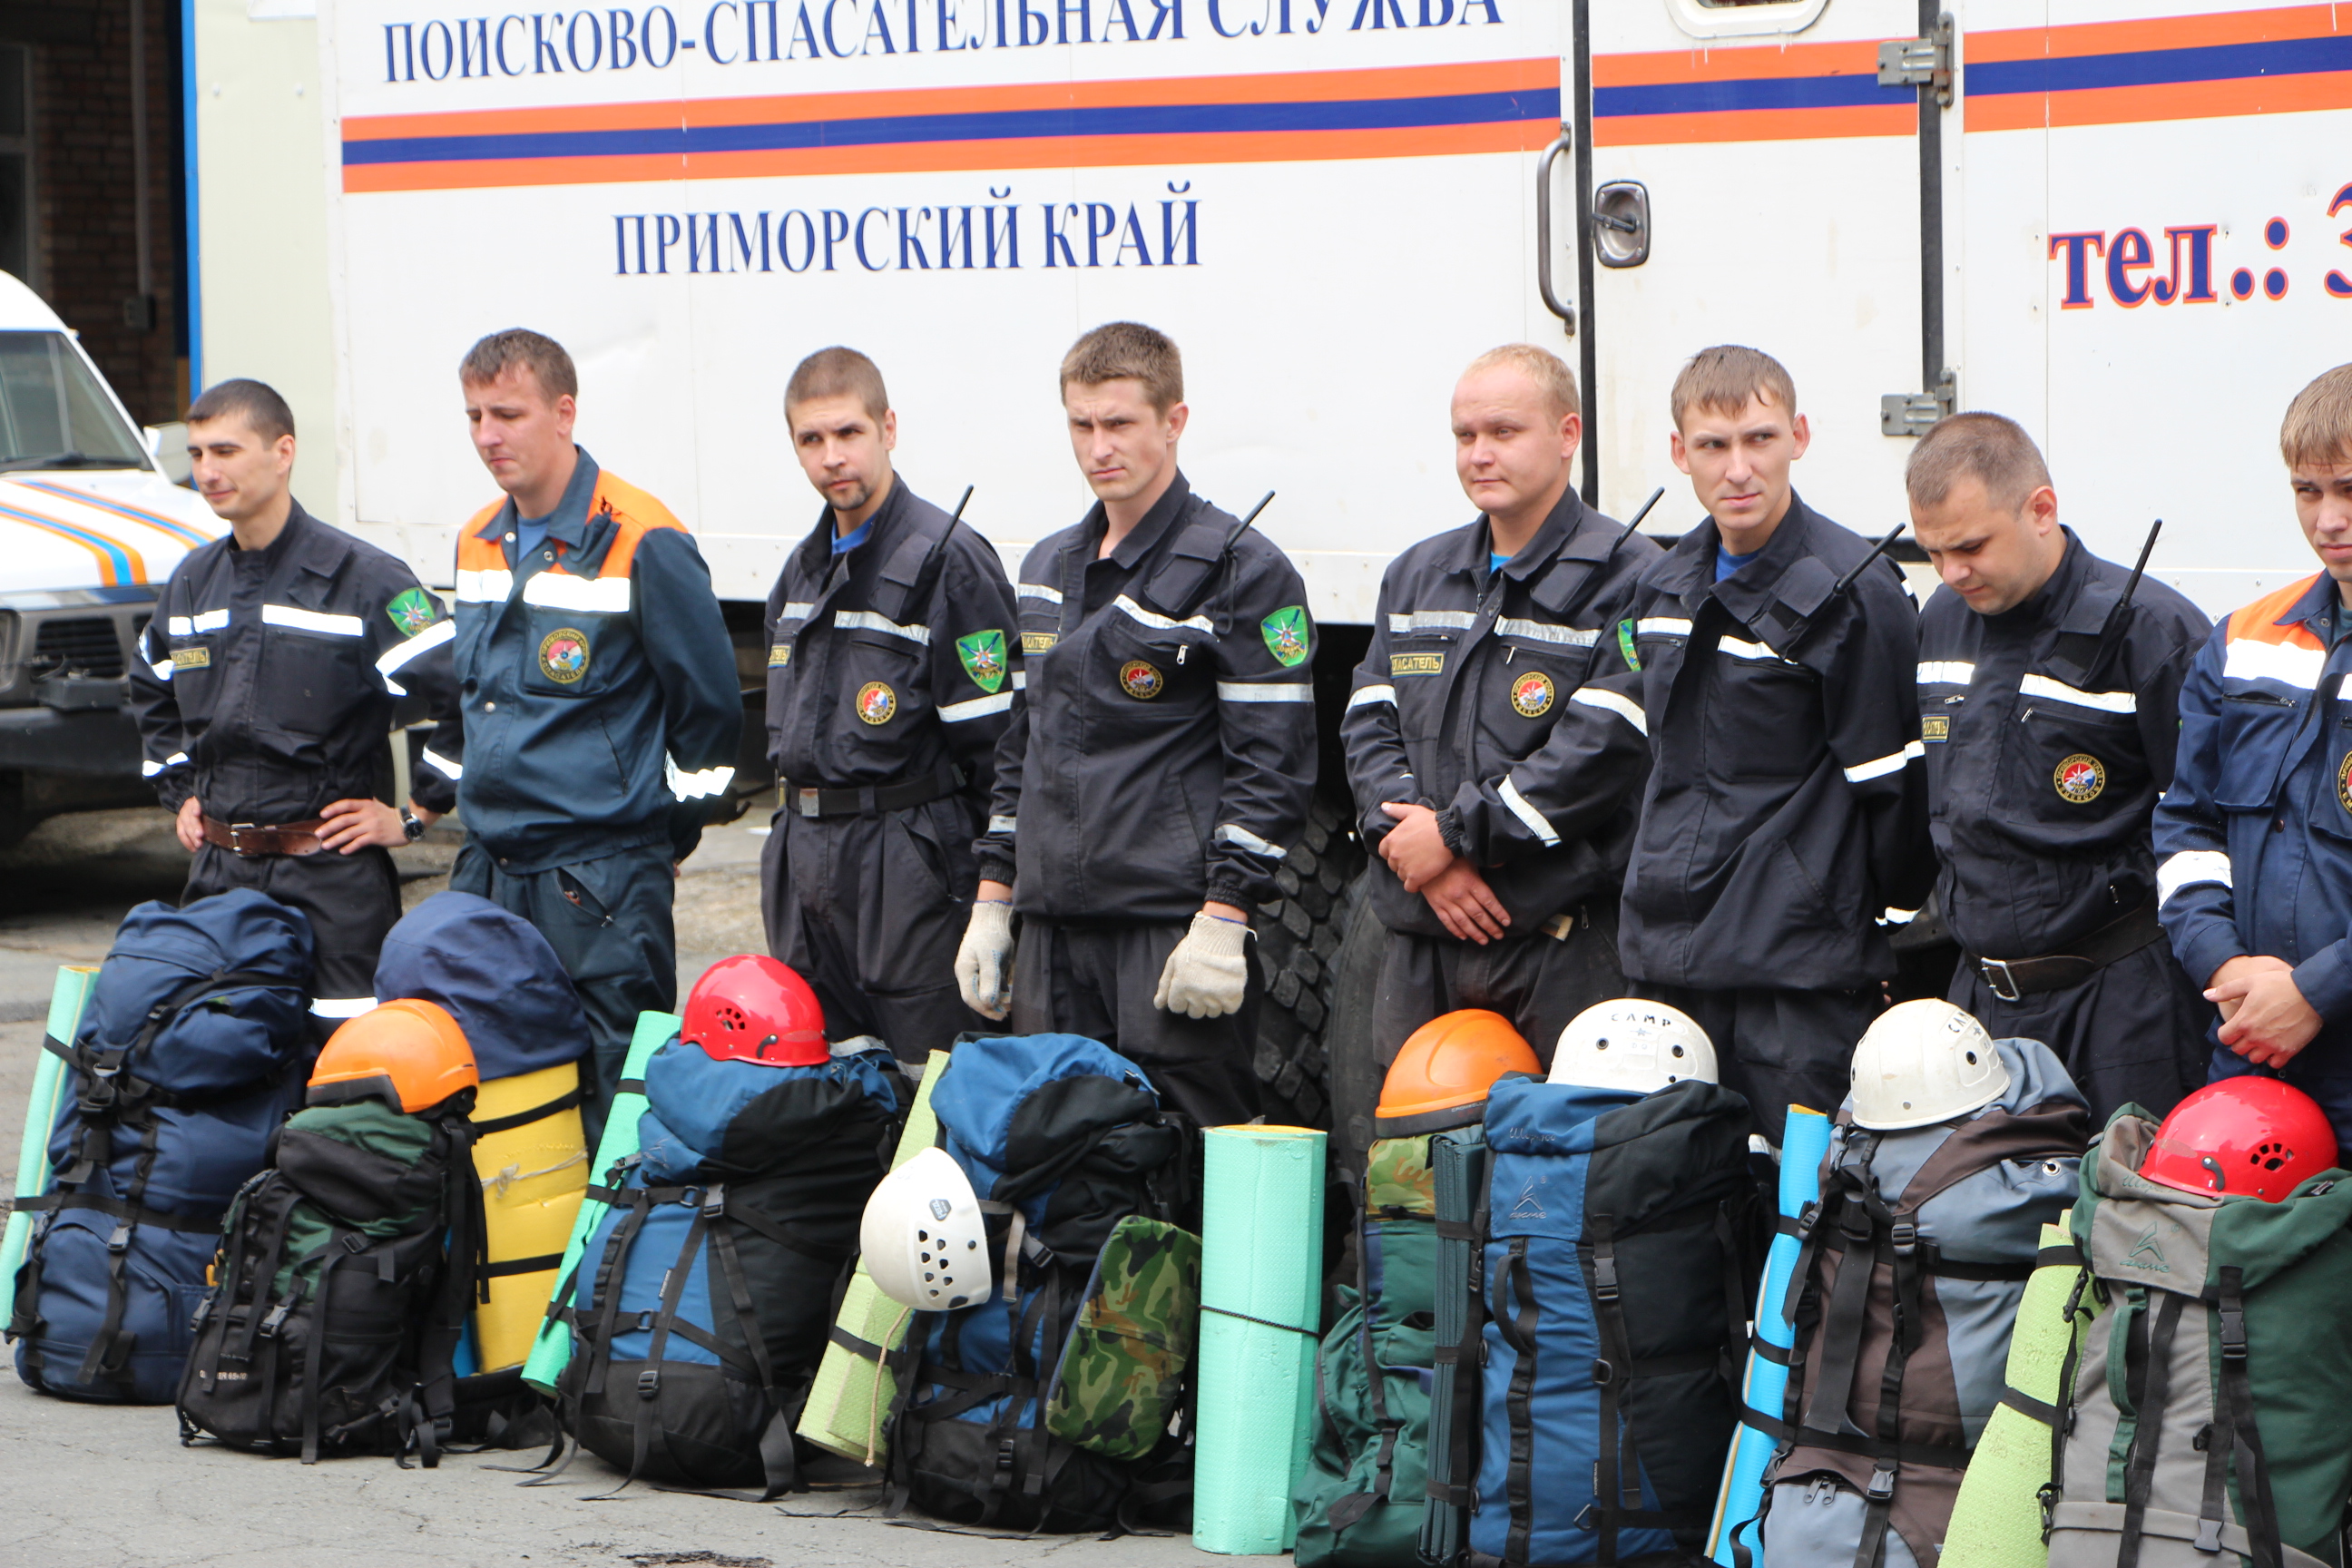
553	1347
1997	1519
532	1158
850	1401
1805	1142
1458	1160
1261	1316
50	1080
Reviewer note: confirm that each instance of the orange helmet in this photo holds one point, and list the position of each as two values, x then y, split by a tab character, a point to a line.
1440	1074
2244	1134
410	1055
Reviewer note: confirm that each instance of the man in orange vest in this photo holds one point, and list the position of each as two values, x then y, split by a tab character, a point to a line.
2253	842
600	708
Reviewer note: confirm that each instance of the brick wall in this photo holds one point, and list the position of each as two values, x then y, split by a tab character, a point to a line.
84	176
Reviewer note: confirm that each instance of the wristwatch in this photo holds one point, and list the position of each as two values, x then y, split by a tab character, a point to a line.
410	825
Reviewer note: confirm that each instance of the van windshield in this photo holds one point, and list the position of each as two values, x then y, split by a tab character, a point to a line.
54	414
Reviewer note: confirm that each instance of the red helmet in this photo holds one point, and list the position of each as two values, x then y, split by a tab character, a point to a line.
2248	1134
755	1007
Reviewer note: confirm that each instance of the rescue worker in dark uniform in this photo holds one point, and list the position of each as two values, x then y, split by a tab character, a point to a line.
2254	841
1500	793
269	680
892	664
1160	760
1786	807
599	701
2048	706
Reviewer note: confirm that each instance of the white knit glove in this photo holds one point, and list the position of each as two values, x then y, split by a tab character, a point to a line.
984	965
1208	971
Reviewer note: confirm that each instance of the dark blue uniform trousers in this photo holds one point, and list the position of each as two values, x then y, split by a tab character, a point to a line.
609	921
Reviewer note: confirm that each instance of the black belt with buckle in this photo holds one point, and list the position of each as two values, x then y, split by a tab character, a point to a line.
865	800
2014	979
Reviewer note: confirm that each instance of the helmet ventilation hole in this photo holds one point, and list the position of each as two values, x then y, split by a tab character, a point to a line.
1678	1053
1972	1058
1602	1043
2271	1155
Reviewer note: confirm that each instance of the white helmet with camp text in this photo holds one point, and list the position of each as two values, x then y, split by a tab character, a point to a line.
926	1244
1923	1062
1628	1044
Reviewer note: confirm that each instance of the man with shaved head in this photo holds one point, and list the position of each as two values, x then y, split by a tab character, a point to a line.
2048	706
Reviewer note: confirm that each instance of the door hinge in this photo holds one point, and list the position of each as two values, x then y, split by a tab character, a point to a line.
1916	413
1920	62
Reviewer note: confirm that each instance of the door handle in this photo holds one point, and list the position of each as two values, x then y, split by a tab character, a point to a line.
1559	144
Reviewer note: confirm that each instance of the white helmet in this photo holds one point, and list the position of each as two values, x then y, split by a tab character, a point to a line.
1923	1062
1632	1044
925	1246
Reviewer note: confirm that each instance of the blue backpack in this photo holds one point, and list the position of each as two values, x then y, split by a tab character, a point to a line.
1621	1249
702	1301
1063	1140
188	1058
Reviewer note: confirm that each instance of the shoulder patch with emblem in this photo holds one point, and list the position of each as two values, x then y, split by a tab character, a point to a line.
1286	634
1141	680
2343	778
1532	694
564	656
876	703
983	654
412	611
1625	646
2080	778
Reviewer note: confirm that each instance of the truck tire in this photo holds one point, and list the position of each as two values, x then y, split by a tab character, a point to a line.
1320	889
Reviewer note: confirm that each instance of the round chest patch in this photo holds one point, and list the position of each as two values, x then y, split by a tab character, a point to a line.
564	655
1531	695
2080	778
876	702
1141	680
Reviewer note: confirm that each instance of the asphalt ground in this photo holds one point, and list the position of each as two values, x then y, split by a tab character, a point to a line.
107	1486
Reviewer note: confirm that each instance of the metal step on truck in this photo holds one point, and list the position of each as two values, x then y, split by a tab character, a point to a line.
91	528
2122	222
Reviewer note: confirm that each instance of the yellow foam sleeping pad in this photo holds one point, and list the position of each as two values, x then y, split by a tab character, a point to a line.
534	1173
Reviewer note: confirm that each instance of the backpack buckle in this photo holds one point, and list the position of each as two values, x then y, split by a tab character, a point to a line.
2233	1334
1604	1374
650	1382
1906	1236
276	1320
1807	1217
2209	1535
120	1242
1605	1278
1585	1520
1882	1483
714	1201
2046	1494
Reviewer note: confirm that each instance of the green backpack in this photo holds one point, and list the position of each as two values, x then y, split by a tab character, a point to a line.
1361	1498
2205	1410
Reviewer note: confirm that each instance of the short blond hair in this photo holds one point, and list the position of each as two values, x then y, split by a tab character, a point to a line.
1992	448
1127	351
1545	369
1725	377
2317	431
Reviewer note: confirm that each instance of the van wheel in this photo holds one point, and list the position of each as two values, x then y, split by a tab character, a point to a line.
1300	936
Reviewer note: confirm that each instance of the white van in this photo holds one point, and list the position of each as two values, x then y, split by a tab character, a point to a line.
89	531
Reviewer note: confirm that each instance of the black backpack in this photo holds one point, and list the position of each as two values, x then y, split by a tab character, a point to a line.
341	1289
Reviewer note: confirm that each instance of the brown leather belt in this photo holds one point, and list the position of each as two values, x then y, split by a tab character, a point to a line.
251	838
2014	979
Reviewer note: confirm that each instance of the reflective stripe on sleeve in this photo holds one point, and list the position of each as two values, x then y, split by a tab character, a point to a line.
2059	691
1265	692
796	610
303	620
1039	591
698	785
148	770
1610	701
1003	824
1526	812
490	588
1159	622
162	668
867	621
1879	768
1947	672
2188	869
180	627
1365	696
1738	648
977	708
1545	631
1663	626
341	1006
2281	662
589	595
1241	838
424	642
443	766
1430	621
1020	680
